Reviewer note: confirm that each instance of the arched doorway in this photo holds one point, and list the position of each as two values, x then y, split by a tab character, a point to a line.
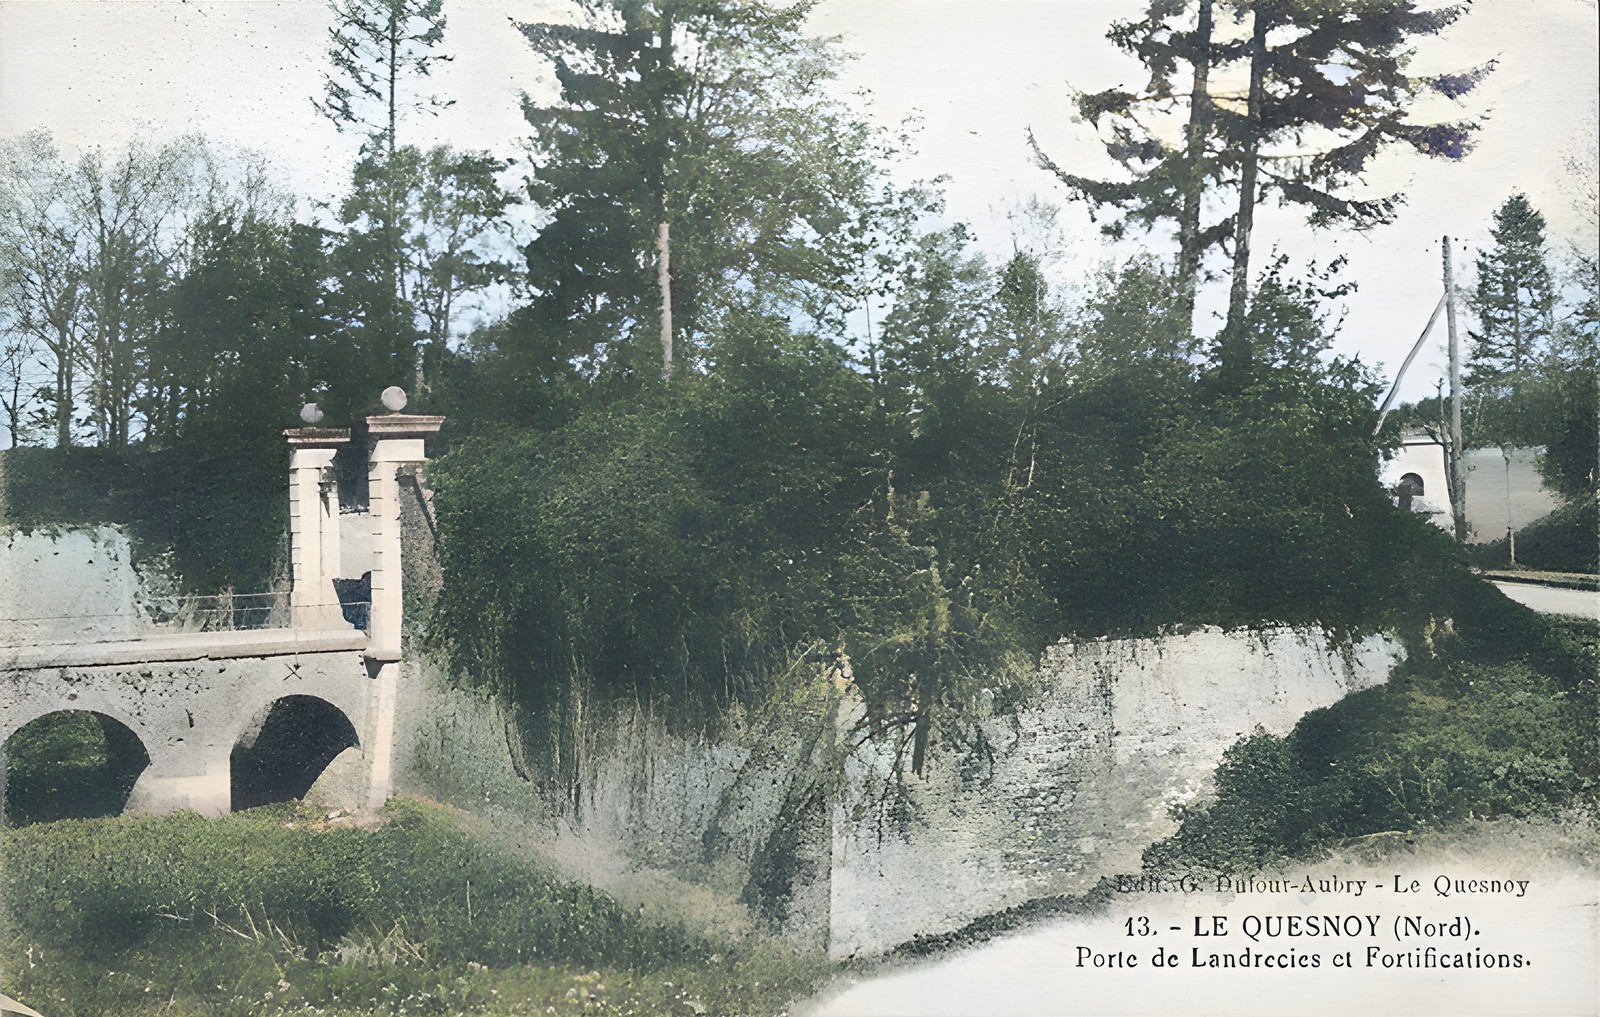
279	761
1409	488
71	764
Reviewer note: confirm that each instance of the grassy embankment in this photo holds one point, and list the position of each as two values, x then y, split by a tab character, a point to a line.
279	911
1493	715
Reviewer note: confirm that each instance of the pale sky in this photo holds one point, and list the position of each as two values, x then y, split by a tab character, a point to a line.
978	72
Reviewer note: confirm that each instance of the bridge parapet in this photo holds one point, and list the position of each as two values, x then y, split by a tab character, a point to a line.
181	646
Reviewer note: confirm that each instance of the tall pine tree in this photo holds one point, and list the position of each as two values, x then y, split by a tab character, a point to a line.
1514	299
1328	91
1515	303
373	46
1294	110
378	52
688	167
1160	181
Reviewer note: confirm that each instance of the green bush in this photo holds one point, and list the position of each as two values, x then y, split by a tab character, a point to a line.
276	911
1566	540
117	884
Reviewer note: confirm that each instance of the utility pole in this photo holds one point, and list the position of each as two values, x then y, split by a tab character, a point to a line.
1511	532
1458	482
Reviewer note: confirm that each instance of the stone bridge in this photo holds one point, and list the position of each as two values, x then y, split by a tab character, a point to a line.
314	688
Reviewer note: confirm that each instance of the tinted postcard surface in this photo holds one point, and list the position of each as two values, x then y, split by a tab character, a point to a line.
851	508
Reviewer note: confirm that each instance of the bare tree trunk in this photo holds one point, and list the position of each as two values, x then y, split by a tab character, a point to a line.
924	724
664	280
664	231
64	399
14	410
1197	131
1238	296
394	71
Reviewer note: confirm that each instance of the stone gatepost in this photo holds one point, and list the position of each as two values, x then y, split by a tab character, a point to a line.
314	527
397	442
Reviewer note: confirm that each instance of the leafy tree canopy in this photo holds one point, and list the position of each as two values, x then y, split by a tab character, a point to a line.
708	118
1294	110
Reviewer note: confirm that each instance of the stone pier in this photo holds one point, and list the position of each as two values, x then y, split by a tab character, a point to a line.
397	444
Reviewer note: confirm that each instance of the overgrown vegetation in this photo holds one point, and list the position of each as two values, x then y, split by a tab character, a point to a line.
278	911
70	765
934	515
215	513
1494	714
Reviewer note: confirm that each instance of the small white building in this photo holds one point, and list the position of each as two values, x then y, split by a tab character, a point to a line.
1502	493
1417	474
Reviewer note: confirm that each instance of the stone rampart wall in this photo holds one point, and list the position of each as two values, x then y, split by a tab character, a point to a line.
1079	785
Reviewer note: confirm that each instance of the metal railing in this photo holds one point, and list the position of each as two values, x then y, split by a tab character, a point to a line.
217	612
220	612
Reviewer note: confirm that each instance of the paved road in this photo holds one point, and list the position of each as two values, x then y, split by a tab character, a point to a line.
1554	600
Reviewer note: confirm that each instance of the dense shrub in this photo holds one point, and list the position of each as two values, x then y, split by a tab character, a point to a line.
679	550
1566	540
675	550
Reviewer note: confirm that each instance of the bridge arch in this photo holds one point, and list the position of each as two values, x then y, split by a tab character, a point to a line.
70	763
19	714
279	753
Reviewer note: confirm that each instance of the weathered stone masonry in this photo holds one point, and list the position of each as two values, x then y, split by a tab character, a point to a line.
191	697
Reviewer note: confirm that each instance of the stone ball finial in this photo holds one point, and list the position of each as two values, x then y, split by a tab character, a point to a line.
311	413
394	398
